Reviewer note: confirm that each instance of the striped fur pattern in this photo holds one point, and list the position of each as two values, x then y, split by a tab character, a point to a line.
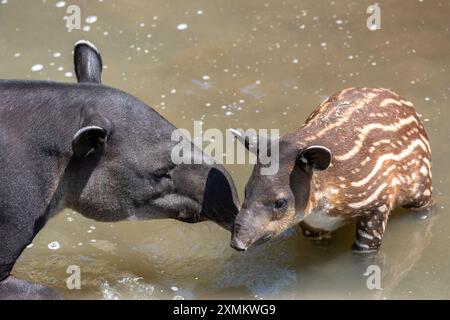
381	159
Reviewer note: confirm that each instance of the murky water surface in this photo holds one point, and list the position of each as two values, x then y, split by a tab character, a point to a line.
260	64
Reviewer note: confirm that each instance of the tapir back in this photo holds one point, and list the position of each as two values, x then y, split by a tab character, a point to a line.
381	154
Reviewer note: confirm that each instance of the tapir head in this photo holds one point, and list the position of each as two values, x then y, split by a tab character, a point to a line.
122	167
275	202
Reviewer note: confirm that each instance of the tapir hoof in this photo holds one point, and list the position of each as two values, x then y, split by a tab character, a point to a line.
16	289
360	250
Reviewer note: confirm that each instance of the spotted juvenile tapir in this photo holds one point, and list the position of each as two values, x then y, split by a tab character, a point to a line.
99	151
360	154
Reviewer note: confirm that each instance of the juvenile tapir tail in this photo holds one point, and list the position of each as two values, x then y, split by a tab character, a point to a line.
88	62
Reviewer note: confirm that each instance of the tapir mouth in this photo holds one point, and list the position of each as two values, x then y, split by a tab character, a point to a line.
179	207
240	245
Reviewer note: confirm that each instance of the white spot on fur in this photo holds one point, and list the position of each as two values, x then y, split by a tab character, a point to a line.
424	170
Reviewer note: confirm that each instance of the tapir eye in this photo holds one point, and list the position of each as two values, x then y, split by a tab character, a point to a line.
280	204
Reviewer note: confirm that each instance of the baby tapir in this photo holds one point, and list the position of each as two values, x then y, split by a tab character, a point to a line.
360	154
99	151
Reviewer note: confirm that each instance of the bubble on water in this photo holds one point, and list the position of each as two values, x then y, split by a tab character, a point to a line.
229	113
69	219
86	28
4	2
323	44
30	245
174	288
142	25
17	54
199	12
37	67
350	57
295	61
206	77
54	245
182	26
91	19
178	297
57	54
60	4
68	74
427	98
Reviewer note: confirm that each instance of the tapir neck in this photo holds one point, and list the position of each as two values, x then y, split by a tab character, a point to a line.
43	117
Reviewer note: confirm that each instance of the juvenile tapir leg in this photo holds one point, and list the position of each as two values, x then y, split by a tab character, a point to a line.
369	231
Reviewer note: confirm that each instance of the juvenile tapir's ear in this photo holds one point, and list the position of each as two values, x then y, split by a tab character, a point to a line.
88	62
316	157
251	140
89	139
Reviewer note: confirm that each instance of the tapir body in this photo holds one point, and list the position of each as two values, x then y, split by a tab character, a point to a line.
360	154
99	151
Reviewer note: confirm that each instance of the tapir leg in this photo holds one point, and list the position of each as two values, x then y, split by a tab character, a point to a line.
19	223
10	287
369	231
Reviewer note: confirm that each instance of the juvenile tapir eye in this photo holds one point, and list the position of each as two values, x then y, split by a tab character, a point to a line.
280	204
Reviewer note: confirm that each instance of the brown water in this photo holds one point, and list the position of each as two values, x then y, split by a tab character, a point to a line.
253	63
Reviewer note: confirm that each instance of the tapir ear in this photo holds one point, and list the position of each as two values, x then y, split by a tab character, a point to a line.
88	139
251	140
316	157
88	62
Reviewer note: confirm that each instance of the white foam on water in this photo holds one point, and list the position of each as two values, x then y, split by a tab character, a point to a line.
182	26
91	19
54	245
37	67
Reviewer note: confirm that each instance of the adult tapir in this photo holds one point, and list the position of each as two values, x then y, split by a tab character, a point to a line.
99	151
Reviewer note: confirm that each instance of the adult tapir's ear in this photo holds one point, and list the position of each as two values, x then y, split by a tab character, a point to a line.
316	157
89	139
88	62
251	140
92	135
